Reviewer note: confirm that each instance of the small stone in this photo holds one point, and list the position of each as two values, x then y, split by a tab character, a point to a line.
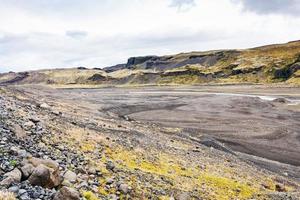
21	192
110	165
29	125
56	112
280	188
183	196
109	181
112	197
66	193
34	119
84	184
70	176
13	189
92	170
44	105
124	188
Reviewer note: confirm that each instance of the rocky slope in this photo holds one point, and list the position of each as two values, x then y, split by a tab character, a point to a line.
54	149
267	64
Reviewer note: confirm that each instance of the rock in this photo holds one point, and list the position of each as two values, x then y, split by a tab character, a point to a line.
112	197
27	170
45	176
183	196
66	193
124	188
49	163
40	176
11	178
281	100
110	165
83	185
29	125
53	167
66	183
21	192
18	152
109	181
56	112
280	188
44	105
14	189
34	119
70	176
92	170
19	132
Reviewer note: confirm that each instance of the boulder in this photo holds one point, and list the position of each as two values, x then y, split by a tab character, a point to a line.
40	176
27	171
66	193
45	168
11	178
49	163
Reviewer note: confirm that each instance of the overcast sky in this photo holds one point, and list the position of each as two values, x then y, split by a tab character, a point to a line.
97	33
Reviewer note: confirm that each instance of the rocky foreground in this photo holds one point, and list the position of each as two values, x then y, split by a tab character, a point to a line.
50	153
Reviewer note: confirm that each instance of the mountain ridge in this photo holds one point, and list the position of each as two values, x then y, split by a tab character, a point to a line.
275	63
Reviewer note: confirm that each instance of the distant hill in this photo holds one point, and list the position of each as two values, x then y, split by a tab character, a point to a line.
278	63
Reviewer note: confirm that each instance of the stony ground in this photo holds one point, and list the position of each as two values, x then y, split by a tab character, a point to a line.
53	148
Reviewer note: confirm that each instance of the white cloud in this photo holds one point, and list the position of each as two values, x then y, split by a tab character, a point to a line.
96	33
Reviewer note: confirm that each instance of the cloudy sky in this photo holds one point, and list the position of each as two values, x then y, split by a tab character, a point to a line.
97	33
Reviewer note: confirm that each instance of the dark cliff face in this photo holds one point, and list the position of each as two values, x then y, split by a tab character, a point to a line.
169	62
115	68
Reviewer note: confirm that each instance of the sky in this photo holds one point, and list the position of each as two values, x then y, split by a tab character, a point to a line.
36	34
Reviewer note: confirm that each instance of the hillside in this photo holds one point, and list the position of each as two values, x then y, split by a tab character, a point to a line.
266	64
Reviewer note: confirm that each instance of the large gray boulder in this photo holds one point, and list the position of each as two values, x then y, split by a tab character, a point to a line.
40	176
46	167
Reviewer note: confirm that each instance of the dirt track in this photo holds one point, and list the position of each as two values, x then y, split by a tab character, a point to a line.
249	124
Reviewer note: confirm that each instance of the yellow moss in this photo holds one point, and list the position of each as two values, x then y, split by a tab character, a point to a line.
185	178
87	146
89	195
102	191
164	198
227	188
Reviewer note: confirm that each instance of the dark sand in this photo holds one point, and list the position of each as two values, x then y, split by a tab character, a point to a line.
243	117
